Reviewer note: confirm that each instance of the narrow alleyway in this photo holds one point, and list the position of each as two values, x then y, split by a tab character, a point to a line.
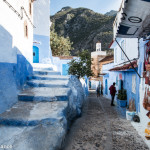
103	127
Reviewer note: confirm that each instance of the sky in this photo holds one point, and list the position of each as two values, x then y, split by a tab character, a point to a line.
100	6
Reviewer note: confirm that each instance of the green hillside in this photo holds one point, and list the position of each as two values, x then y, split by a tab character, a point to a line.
84	27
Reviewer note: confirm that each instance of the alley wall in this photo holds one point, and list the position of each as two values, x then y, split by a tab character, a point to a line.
16	50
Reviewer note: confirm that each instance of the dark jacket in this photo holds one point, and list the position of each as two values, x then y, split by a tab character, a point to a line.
98	90
112	90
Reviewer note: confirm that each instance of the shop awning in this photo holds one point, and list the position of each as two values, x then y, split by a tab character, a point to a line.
125	67
133	19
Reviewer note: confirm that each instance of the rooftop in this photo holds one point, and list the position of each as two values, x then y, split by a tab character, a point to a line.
107	58
125	67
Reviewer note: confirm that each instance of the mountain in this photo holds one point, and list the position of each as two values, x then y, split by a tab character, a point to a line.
84	27
111	13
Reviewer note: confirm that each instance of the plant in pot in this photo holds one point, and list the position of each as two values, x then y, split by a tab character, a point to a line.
122	98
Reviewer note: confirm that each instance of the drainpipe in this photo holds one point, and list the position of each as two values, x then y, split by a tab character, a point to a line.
128	59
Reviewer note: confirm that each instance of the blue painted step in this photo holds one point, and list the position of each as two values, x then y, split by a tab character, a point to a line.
48	83
42	72
32	113
44	69
48	77
43	94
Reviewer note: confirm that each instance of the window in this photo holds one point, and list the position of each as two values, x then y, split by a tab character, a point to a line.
134	84
30	7
123	47
26	29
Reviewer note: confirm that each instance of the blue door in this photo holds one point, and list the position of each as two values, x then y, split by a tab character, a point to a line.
35	54
65	68
106	87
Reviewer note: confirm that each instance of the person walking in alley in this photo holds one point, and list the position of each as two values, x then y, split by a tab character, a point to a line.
98	91
112	93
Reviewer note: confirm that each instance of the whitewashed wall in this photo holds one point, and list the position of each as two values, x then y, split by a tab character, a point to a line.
42	17
42	31
12	33
59	62
111	77
131	50
16	51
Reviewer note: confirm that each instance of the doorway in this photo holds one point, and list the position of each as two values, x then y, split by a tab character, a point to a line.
35	54
106	87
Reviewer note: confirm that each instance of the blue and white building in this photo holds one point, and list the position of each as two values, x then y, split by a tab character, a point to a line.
62	63
16	43
123	71
41	33
24	41
133	21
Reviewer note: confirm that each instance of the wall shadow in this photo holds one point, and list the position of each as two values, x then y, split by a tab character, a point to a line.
14	69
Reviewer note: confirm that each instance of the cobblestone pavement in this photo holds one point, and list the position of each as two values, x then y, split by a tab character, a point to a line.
103	127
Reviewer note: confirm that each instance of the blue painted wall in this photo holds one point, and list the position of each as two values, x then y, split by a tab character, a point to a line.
127	84
128	87
23	70
14	69
8	88
12	78
65	68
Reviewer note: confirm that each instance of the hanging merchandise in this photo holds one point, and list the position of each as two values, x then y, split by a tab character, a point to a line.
146	102
146	75
147	78
147	131
147	57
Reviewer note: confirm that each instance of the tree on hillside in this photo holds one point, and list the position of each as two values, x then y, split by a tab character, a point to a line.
60	46
81	66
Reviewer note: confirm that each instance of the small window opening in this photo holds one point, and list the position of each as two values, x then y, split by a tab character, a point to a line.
30	8
25	29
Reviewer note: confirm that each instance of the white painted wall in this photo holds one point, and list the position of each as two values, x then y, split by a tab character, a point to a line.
107	67
12	32
42	17
130	48
59	62
98	47
112	78
94	84
96	53
41	20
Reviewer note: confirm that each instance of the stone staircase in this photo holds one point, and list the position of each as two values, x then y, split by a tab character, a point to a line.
38	121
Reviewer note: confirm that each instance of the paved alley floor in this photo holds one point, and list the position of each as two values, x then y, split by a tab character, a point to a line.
103	127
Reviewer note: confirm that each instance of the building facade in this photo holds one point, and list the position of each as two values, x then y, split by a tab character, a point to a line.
24	41
61	63
133	21
96	56
41	34
121	71
109	59
16	42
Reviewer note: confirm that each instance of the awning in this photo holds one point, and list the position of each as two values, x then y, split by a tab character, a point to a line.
125	67
133	19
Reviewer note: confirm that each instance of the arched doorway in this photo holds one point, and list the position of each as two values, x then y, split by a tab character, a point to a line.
35	54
